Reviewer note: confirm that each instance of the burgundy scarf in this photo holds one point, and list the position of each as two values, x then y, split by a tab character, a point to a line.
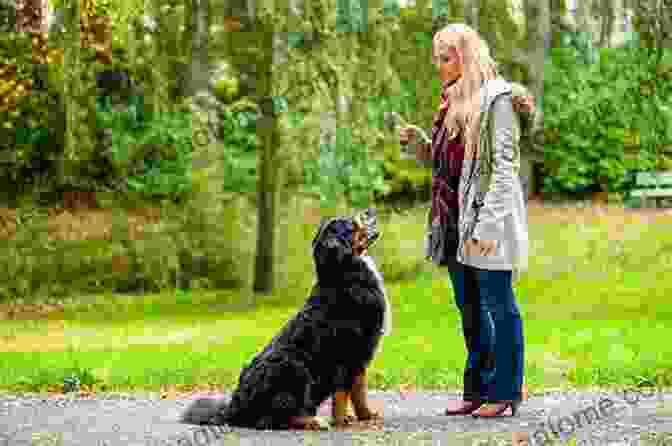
446	153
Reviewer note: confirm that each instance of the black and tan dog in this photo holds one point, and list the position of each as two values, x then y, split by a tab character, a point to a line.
323	351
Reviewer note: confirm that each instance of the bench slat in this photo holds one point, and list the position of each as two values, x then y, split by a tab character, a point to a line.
659	192
654	179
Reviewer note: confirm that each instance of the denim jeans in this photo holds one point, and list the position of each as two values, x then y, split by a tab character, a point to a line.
497	298
478	329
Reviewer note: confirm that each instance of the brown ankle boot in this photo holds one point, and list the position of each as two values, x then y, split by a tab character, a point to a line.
463	408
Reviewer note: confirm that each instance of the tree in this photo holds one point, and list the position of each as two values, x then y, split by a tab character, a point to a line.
537	13
80	97
324	69
199	33
653	21
608	17
472	13
267	187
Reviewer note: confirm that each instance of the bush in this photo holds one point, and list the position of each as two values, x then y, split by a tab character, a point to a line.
595	103
193	246
345	168
239	151
151	157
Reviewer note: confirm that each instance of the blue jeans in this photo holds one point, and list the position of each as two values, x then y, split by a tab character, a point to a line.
478	330
497	296
493	332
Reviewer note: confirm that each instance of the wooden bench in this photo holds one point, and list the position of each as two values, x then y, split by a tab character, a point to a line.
652	185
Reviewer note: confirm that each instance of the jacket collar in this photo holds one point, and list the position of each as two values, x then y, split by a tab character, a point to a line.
491	89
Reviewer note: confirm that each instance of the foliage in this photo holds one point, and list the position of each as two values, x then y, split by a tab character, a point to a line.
402	177
240	151
227	89
122	12
594	99
153	155
344	168
29	145
351	17
7	17
16	50
193	239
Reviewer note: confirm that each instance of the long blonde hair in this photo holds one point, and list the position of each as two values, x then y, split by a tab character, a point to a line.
463	114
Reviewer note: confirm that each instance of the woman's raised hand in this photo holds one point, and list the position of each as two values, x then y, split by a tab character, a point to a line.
407	135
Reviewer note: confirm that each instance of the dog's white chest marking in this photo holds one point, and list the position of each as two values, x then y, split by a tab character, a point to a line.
387	316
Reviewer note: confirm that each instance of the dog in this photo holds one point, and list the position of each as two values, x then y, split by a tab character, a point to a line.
324	351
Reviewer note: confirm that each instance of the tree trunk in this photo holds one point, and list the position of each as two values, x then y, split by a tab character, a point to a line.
268	183
583	15
187	35
200	16
537	13
472	12
607	25
80	100
160	52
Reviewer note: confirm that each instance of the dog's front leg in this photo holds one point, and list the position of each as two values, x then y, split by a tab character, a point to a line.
360	400
341	410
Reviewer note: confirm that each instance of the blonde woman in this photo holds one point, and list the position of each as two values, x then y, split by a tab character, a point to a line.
478	219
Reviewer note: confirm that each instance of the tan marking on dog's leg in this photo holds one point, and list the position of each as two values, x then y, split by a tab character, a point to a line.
307	423
360	398
339	408
350	408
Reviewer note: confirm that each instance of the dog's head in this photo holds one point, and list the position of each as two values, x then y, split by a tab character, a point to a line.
333	243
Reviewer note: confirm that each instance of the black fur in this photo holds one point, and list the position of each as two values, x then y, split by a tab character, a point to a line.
317	352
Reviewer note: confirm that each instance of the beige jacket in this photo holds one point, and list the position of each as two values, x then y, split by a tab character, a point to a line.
492	204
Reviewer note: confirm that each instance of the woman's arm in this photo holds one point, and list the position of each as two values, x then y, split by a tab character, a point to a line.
498	201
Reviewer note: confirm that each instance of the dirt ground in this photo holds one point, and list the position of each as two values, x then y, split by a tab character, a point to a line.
81	224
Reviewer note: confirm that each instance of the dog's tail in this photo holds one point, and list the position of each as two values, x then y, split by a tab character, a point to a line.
206	411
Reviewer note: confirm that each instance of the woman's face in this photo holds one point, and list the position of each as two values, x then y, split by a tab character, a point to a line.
449	63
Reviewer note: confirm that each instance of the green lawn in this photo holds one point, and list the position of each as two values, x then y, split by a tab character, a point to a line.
594	302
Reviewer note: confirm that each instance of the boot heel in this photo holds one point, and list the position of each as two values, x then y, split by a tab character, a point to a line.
514	408
482	412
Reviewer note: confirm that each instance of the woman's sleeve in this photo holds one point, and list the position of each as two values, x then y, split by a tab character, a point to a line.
498	201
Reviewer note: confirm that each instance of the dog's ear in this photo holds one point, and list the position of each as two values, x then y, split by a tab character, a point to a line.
368	219
323	223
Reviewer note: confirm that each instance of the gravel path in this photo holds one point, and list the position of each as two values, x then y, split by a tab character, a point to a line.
412	419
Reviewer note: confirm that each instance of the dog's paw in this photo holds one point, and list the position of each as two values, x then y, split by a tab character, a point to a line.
344	421
369	415
318	424
350	418
309	423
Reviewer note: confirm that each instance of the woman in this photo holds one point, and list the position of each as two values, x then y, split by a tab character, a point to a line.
478	223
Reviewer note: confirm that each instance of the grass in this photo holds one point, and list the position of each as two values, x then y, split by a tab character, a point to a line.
594	303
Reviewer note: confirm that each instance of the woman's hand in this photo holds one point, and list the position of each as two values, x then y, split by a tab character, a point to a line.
475	247
407	135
